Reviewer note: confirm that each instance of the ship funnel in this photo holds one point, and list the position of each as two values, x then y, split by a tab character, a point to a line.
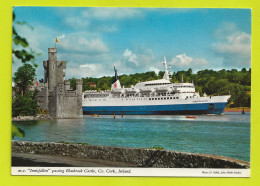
115	81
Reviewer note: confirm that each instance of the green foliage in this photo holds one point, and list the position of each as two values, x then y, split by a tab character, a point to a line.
24	77
26	54
82	143
17	132
73	83
160	74
42	111
223	82
104	83
156	147
25	105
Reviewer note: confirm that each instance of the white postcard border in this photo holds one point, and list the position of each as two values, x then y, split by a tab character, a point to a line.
111	171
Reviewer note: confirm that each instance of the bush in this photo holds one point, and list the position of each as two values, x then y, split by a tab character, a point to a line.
25	105
156	147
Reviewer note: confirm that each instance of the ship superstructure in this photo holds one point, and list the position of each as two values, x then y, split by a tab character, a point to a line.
152	97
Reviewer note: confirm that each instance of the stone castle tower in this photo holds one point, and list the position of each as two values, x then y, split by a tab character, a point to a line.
55	94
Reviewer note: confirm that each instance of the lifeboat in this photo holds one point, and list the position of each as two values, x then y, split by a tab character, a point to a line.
146	89
117	90
131	90
163	89
191	117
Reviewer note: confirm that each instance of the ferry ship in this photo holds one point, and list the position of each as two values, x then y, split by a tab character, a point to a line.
157	97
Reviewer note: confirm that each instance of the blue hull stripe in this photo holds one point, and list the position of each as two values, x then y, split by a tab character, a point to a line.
198	108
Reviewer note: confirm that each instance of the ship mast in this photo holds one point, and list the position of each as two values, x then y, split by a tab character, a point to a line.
166	74
116	76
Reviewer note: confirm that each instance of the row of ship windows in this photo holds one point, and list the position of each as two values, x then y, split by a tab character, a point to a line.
156	84
145	95
184	86
164	98
153	84
86	96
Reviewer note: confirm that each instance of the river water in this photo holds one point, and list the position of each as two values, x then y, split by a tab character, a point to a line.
226	135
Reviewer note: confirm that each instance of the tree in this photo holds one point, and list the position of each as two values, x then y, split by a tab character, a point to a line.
104	83
25	105
243	70
189	72
24	77
73	83
160	74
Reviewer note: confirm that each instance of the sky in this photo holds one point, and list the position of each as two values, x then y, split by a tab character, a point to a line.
94	40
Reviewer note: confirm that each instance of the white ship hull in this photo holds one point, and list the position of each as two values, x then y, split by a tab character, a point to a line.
147	106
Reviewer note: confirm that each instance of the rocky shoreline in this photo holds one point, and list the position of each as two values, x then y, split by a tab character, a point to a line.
238	109
138	157
31	118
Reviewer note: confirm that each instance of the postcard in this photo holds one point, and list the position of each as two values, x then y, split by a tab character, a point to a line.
109	91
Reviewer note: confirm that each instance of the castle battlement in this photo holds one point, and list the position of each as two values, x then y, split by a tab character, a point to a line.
52	50
62	64
79	81
67	82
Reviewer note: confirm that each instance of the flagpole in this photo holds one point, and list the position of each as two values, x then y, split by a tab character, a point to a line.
56	41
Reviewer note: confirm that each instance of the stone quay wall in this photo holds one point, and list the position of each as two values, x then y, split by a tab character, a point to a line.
141	157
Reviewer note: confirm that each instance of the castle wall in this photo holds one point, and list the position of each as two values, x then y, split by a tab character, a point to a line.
79	97
42	95
42	98
60	72
68	107
52	104
52	68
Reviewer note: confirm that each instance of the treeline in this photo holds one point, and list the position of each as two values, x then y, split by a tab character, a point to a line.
222	82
